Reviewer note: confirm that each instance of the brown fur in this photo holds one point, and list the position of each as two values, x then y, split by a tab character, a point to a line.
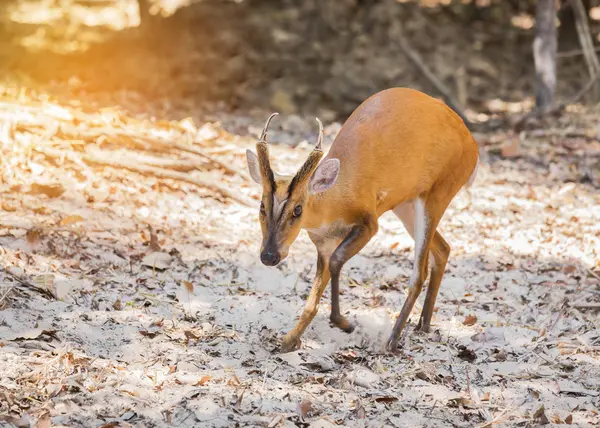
398	146
306	171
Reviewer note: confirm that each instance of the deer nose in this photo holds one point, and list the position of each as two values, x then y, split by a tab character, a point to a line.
270	258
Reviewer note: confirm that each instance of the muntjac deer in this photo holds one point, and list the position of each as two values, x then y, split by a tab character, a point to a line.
400	150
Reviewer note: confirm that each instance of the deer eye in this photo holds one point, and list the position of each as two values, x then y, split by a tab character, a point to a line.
262	208
297	211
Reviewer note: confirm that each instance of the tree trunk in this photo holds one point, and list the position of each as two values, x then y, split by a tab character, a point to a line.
544	54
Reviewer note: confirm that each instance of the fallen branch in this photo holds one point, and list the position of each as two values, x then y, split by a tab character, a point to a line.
146	169
586	306
145	142
126	155
585	38
25	282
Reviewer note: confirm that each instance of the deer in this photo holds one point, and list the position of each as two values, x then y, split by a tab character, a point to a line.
400	150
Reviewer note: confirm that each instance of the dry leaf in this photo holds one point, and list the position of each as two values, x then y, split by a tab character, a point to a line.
304	408
156	260
540	416
157	323
500	355
189	335
44	281
188	286
569	420
203	380
511	149
466	354
234	381
31	334
7	206
117	305
360	412
470	320
150	334
44	421
50	190
71	219
33	236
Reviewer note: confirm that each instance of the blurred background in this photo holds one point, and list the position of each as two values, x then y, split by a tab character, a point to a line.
131	291
310	57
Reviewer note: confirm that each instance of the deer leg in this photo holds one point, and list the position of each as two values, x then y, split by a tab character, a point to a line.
291	340
425	221
358	237
440	251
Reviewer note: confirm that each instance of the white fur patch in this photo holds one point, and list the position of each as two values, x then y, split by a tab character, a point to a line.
473	175
419	236
278	207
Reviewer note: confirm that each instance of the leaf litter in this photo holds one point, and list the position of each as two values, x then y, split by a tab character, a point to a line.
133	296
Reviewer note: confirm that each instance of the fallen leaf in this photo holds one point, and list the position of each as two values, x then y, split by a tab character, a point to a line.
71	219
150	334
50	190
189	335
569	420
470	320
44	281
500	355
304	408
459	401
360	412
188	286
540	416
157	260
203	380
157	323
117	306
33	236
511	149
31	334
7	206
466	354
44	421
234	381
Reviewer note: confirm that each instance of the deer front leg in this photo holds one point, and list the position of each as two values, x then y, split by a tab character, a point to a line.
291	340
354	242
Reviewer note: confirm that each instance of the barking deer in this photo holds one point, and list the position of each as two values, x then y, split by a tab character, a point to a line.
400	150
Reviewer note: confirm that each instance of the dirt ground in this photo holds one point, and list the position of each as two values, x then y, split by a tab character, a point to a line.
132	294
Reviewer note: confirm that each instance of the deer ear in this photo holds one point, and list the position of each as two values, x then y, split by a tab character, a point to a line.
253	166
324	177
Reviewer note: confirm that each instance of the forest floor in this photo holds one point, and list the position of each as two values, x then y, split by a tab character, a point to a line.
131	291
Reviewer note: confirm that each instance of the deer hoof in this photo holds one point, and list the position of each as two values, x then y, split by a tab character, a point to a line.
343	324
289	344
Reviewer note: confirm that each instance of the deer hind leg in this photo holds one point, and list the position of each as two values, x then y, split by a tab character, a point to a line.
440	251
422	219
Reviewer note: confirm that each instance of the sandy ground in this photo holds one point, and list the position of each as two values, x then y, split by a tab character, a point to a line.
105	323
